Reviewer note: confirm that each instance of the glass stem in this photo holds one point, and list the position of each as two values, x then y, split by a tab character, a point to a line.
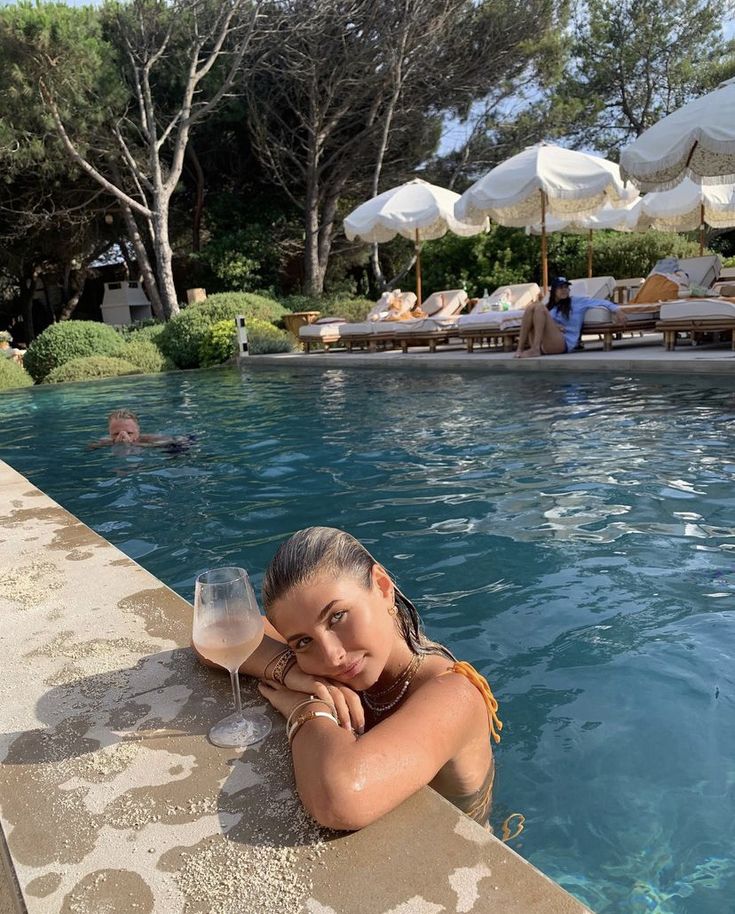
235	680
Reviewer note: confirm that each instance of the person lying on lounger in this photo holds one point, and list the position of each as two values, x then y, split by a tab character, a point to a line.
556	328
375	710
124	428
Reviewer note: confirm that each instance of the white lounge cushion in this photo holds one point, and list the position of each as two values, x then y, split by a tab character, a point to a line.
325	327
702	271
491	320
601	315
427	326
697	308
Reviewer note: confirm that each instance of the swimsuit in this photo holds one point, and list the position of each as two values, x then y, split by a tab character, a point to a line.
477	804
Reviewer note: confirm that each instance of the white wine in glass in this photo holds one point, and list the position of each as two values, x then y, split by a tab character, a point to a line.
227	629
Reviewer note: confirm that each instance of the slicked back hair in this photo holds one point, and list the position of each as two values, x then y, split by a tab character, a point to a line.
326	550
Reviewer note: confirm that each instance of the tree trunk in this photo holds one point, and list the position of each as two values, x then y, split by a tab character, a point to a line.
313	276
26	300
74	293
196	219
144	264
164	262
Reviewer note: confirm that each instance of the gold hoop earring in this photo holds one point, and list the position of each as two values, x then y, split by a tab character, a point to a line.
393	611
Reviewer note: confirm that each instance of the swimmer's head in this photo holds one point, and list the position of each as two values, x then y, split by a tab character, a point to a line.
123	426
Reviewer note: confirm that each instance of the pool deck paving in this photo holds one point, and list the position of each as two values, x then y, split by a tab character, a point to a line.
638	355
112	799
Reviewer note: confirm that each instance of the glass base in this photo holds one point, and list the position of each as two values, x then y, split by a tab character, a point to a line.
238	731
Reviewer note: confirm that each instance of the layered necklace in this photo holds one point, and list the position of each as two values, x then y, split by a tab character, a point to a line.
387	698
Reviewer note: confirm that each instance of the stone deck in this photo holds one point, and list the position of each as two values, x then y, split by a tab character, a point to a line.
114	801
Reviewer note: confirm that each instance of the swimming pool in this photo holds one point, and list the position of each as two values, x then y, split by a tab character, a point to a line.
572	538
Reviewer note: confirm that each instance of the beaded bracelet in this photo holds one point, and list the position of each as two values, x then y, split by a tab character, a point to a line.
310	715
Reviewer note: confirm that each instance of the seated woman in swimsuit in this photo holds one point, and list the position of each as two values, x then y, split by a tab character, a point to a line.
556	328
374	710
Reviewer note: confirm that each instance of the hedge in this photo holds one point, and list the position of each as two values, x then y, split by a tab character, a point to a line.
185	335
13	375
219	344
91	368
353	309
60	343
145	355
264	338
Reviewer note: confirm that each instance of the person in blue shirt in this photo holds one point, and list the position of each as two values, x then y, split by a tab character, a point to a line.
556	328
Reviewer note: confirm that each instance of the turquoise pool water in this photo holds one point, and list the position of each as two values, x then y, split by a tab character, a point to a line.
574	538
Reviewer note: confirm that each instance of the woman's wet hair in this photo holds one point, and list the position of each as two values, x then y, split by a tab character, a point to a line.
326	550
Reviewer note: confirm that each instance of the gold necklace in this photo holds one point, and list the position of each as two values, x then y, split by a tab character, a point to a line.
404	681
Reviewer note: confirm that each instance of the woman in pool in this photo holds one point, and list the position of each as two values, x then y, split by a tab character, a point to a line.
375	710
556	328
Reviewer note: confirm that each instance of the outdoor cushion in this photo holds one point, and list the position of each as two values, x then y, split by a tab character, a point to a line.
697	309
492	320
326	327
521	295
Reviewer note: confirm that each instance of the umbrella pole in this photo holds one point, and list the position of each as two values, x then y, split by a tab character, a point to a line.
701	229
418	270
589	255
544	254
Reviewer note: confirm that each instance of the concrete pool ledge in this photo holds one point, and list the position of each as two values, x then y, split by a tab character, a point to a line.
636	356
113	800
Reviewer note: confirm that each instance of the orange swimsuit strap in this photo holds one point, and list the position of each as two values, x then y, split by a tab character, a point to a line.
481	684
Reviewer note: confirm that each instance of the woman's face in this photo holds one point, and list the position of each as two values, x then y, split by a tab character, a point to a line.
338	628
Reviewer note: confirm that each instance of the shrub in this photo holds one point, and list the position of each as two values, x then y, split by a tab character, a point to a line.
264	338
219	344
184	336
230	304
91	368
150	332
353	309
60	343
145	355
12	374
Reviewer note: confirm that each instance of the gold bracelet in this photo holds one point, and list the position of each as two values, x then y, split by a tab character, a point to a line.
310	715
307	701
283	665
274	659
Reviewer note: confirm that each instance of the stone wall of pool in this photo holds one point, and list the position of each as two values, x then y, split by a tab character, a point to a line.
113	799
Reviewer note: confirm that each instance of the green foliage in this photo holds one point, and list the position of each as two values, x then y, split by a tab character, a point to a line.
264	338
12	374
219	344
145	355
184	336
91	368
69	340
635	61
505	256
230	304
149	330
352	309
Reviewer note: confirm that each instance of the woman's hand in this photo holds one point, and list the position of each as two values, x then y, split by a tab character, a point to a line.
345	701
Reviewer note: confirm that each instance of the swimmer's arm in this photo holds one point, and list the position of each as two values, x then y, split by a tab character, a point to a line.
103	442
347	782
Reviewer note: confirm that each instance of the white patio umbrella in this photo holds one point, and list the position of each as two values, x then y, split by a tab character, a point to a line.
696	141
621	219
416	210
687	207
543	181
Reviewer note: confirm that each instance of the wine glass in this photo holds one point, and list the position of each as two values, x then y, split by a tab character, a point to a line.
227	629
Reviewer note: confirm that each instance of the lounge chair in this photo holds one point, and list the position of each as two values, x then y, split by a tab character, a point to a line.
644	315
696	316
482	323
442	309
329	330
378	334
363	332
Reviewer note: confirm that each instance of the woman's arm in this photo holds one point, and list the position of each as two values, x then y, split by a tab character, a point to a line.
267	651
346	783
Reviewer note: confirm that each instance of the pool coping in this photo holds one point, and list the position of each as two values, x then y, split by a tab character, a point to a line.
635	356
95	814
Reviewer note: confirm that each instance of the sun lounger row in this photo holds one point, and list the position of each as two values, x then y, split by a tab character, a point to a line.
395	321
